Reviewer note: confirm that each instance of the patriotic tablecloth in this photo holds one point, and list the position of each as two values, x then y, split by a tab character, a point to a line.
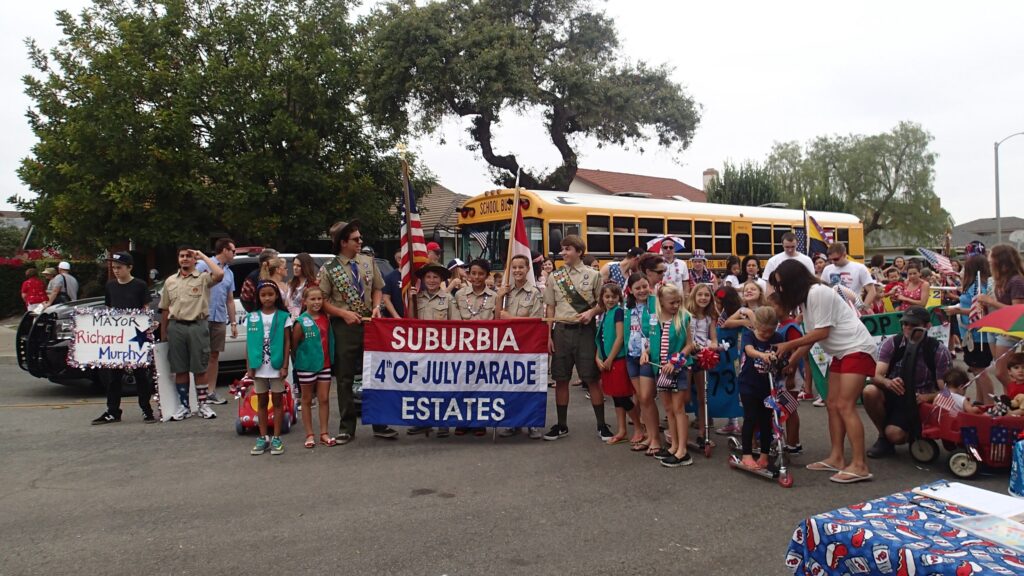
902	534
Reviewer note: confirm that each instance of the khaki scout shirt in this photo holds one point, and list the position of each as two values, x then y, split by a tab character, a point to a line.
585	279
433	307
368	274
468	305
187	298
525	302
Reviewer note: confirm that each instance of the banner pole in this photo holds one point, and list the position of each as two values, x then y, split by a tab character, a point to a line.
410	300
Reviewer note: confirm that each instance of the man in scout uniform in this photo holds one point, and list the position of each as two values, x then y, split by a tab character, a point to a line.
519	298
352	287
432	303
474	302
185	304
571	296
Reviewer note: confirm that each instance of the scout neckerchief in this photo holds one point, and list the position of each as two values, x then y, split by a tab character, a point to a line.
575	299
473	313
342	280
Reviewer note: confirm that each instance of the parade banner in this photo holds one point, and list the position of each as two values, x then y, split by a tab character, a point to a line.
467	374
723	388
110	338
882	327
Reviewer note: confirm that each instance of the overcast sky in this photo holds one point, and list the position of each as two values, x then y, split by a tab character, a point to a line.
762	71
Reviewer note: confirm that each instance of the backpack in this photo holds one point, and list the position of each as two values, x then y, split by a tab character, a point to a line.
929	346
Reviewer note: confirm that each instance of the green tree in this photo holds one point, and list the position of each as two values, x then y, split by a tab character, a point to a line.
490	59
10	239
884	179
164	120
749	184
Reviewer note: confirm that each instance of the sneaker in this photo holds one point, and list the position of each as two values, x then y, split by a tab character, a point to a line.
556	432
276	446
443	432
794	450
214	398
728	430
388	433
509	432
148	418
674	461
343	438
182	413
536	433
414	430
206	412
261	446
604	433
106	418
819	402
663	454
881	449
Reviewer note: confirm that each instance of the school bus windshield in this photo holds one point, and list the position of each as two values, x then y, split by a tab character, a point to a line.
489	240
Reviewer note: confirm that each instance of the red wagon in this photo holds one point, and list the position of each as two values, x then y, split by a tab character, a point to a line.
970	439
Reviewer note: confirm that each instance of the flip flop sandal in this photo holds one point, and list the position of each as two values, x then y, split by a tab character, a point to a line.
639	446
329	440
310	442
652	451
614	440
822	466
850	477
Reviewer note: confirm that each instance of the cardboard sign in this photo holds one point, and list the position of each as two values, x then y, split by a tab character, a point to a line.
110	338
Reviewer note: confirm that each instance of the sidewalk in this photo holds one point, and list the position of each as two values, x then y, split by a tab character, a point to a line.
8	333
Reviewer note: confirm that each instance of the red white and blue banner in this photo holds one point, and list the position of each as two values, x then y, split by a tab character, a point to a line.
443	373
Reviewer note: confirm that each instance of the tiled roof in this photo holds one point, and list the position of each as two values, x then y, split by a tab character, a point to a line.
984	229
439	205
621	182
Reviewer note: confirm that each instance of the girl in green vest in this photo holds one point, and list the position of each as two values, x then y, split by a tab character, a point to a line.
611	361
267	348
668	339
313	342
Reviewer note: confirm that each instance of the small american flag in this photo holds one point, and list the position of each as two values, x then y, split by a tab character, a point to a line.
945	401
801	240
1000	449
787	403
481	239
940	263
413	246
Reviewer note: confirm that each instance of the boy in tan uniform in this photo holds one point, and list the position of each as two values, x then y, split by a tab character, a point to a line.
432	303
474	301
520	299
571	294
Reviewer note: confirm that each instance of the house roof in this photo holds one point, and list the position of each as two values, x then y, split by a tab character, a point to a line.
984	229
439	206
621	182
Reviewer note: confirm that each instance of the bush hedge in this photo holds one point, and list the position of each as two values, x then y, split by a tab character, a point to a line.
91	276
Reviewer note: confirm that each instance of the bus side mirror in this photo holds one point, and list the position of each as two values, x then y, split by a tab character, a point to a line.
555	241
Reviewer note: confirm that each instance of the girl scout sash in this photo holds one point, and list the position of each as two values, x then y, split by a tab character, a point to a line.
343	283
575	299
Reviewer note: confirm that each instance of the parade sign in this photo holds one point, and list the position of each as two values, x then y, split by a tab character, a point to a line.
109	338
444	373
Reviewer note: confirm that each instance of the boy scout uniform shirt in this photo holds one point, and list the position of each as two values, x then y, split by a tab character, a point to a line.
587	282
524	302
368	274
187	298
466	299
433	307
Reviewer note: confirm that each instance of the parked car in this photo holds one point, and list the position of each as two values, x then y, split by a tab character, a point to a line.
43	339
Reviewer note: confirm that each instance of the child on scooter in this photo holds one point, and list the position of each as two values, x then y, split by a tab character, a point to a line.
701	306
755	384
790	329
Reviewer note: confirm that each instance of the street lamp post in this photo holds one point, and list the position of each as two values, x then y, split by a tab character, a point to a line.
999	221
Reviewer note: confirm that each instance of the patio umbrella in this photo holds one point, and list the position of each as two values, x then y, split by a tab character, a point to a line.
1008	320
655	245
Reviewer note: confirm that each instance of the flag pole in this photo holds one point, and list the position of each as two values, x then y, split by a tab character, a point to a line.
807	229
512	232
410	301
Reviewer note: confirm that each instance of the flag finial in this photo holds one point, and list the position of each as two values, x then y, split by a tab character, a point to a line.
402	150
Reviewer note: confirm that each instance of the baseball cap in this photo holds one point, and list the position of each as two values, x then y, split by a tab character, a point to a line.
916	315
64	266
455	263
122	258
433	247
50	271
699	254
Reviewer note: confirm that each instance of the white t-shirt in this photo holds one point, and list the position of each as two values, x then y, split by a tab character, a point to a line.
825	308
677	273
781	257
266	370
731	280
854	276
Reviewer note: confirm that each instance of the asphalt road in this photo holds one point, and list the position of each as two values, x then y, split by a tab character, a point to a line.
187	498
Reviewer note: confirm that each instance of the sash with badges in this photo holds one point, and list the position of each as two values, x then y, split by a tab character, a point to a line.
575	299
343	283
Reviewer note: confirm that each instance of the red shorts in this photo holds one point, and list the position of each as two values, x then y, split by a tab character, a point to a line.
855	363
615	382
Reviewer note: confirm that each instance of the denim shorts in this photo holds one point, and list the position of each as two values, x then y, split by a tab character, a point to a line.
633	366
1006	341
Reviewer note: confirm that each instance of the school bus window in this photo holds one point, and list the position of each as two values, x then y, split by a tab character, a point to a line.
843	235
649	229
682	230
742	244
723	237
702	236
598	236
762	240
624	233
563	229
777	233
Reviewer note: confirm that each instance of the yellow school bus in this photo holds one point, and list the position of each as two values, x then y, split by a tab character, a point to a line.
610	225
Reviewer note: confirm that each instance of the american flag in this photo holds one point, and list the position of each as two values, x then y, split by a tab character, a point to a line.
783	403
945	401
938	262
1001	440
413	246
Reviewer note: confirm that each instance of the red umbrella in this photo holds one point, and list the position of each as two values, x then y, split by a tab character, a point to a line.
1006	320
